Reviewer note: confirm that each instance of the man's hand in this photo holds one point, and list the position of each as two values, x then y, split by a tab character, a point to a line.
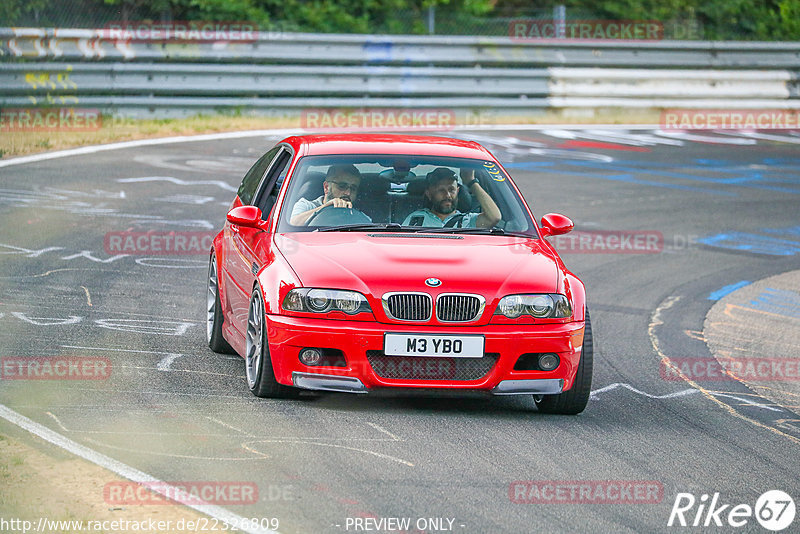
337	203
302	218
490	213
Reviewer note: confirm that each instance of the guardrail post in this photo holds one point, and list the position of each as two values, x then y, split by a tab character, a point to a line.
431	20
560	20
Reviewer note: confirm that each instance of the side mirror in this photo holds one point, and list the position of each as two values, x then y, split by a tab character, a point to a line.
556	224
247	216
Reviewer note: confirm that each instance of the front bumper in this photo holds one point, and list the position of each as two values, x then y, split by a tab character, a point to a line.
287	336
346	384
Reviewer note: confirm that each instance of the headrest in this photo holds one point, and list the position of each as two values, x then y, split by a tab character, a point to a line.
312	185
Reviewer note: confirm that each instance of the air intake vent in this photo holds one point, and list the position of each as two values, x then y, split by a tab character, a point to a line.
408	306
459	308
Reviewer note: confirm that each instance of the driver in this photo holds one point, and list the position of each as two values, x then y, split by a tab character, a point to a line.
442	196
340	190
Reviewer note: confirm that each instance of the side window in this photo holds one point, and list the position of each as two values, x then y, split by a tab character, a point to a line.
268	194
253	176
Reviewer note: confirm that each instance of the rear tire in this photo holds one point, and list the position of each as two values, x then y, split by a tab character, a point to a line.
214	315
258	364
574	401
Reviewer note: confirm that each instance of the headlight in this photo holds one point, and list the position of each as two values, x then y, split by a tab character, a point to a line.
318	301
349	302
540	306
511	306
325	300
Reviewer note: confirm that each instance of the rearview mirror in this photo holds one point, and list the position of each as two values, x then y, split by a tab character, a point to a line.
556	224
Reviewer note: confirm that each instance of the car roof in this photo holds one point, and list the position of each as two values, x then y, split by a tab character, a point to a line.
422	145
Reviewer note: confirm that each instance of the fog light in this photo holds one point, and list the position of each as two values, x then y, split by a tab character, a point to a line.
310	356
548	361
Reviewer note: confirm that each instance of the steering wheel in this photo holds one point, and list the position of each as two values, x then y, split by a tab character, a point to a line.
332	216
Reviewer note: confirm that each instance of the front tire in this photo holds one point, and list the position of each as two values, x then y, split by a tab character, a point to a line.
214	315
258	364
574	401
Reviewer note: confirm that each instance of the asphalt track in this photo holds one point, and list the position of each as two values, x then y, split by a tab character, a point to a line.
725	204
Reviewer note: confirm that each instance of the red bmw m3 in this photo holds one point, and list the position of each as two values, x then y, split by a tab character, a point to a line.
365	262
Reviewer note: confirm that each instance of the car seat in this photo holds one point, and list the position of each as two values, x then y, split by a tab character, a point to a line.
312	186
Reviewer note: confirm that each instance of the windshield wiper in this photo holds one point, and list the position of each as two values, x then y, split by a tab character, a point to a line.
480	231
388	227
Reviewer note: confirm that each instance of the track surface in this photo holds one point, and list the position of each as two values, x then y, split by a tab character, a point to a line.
179	412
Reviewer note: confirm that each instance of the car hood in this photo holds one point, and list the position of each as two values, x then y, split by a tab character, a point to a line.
493	266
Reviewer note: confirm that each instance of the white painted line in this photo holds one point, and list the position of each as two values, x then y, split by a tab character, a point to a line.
47	321
286	131
226	425
381	429
748	401
681	393
125	470
187	371
163	364
168	393
166	362
766	137
177	181
526	127
248	446
116	350
616	385
705	138
127	432
177	263
58	421
141	142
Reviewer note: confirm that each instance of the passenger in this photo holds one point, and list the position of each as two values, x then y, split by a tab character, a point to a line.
442	195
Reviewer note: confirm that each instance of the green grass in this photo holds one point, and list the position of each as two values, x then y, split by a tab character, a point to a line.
118	129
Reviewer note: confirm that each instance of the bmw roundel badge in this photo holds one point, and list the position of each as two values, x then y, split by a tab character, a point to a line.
433	282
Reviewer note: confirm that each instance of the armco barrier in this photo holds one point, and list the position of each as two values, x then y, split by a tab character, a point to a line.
282	73
305	48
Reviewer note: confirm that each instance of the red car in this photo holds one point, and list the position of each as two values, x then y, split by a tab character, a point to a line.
357	263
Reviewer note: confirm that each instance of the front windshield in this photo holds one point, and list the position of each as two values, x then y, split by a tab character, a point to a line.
402	193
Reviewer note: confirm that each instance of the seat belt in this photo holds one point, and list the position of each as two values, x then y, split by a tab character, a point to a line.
455	221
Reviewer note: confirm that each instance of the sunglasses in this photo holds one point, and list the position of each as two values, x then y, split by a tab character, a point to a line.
344	186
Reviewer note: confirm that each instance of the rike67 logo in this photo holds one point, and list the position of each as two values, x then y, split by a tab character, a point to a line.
774	510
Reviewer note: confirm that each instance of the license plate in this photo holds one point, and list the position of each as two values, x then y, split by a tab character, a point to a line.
433	345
